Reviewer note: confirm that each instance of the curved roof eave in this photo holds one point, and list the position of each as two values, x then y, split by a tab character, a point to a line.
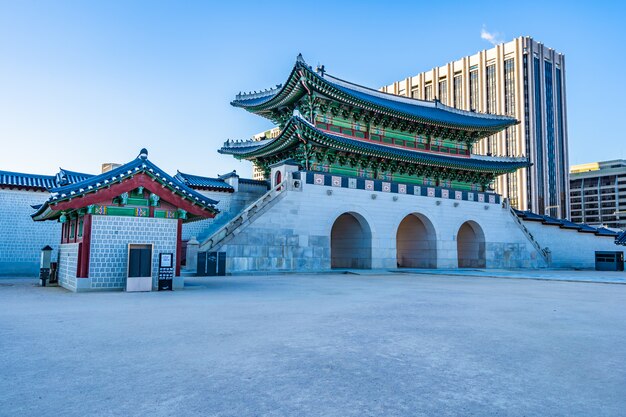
127	170
428	112
286	138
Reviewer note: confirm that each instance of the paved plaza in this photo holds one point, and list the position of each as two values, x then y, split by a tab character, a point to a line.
319	345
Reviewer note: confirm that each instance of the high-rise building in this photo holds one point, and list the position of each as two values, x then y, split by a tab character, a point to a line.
526	80
598	193
258	173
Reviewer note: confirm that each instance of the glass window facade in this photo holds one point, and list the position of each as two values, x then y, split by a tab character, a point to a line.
509	87
428	92
538	135
443	91
550	142
529	185
510	134
492	141
561	142
457	91
473	81
491	89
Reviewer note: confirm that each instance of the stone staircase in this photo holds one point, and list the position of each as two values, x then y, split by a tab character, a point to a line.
544	252
240	221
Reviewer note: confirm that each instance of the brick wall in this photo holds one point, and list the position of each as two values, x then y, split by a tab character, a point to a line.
21	238
68	263
110	236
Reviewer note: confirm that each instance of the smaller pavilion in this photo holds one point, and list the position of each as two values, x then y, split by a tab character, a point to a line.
118	223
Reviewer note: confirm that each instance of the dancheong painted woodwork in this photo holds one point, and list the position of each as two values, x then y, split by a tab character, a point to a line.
138	188
331	125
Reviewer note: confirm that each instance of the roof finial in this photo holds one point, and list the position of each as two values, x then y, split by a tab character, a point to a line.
143	154
320	70
300	59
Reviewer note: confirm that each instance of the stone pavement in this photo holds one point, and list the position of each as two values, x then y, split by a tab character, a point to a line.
317	345
609	277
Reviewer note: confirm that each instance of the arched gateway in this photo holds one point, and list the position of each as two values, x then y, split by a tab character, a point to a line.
350	242
470	243
416	243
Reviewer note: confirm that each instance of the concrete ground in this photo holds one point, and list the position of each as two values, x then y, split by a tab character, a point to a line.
317	345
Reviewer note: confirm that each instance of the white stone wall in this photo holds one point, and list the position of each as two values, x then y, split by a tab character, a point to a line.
21	238
570	248
68	265
294	234
110	236
196	228
230	204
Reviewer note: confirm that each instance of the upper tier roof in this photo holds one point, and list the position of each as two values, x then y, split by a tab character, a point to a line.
297	127
302	79
139	165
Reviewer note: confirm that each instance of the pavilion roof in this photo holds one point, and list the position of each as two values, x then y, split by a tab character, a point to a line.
303	80
140	165
297	129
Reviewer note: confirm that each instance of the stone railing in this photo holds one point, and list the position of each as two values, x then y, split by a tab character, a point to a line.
244	218
544	252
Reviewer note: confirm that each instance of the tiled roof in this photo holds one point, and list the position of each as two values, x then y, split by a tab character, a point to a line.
621	239
206	183
40	182
252	181
297	126
564	224
413	109
430	110
139	165
22	180
65	177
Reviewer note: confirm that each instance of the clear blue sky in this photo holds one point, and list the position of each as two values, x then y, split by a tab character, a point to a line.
86	82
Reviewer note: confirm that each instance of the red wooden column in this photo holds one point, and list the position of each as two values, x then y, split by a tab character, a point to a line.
86	248
179	246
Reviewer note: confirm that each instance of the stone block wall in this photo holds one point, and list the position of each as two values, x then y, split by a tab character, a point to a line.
570	248
21	238
110	236
230	204
294	234
68	265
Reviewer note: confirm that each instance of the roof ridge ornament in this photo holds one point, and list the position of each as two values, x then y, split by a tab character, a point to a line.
143	154
320	70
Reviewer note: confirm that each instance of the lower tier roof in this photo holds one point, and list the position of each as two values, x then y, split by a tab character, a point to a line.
298	130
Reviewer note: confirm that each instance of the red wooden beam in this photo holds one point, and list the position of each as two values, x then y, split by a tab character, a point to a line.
86	247
179	246
106	195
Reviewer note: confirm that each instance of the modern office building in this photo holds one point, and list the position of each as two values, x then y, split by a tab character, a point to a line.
258	173
598	193
526	80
